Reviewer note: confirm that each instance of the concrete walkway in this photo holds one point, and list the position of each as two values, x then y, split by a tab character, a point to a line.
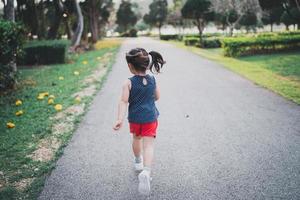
220	137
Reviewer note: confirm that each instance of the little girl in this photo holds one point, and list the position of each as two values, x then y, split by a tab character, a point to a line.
140	92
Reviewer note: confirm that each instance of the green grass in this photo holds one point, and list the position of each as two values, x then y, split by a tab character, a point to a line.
35	123
278	72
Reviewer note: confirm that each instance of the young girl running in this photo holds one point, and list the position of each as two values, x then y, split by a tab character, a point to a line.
140	92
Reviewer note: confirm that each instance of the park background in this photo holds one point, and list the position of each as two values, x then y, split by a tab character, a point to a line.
55	56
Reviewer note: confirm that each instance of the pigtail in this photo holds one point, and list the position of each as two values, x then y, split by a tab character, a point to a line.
157	61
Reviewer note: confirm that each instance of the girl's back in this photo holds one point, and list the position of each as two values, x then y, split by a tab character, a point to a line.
141	100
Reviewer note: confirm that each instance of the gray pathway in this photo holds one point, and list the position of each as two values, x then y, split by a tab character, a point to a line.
240	141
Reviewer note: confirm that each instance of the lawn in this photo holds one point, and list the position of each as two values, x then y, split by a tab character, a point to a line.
279	72
29	150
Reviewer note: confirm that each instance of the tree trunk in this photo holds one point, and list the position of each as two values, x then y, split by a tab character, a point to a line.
271	27
93	18
78	33
42	27
9	10
200	26
287	27
9	14
159	30
231	30
52	33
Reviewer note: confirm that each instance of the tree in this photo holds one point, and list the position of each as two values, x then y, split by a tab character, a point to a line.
126	16
249	21
174	15
291	7
96	13
199	11
287	20
272	16
9	11
78	32
57	18
234	10
157	14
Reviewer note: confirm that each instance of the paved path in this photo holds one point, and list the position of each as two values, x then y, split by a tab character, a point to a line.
240	141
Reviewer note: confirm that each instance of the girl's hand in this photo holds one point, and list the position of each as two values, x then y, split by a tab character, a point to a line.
118	125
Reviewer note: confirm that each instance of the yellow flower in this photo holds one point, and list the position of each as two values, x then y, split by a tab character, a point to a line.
10	125
18	102
61	78
51	96
19	113
50	101
58	107
40	97
77	99
76	73
84	62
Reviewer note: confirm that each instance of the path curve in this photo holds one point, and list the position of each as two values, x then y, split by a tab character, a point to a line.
220	137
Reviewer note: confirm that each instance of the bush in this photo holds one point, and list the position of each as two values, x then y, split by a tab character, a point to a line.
11	41
211	43
45	52
171	37
191	41
256	45
131	33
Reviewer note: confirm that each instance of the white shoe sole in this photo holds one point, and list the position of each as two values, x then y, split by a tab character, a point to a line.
144	184
138	166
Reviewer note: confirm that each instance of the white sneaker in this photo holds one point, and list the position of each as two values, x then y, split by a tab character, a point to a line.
139	166
144	182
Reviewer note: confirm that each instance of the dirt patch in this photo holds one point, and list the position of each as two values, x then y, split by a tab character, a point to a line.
86	92
69	113
46	149
2	180
23	184
96	76
61	128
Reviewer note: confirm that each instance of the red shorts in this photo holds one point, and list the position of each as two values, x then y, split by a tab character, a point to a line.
146	129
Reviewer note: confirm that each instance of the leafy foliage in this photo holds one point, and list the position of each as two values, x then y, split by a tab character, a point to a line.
157	14
199	11
11	41
126	17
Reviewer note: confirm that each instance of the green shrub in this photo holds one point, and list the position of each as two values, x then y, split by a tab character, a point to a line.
133	32
45	52
11	41
211	43
171	37
256	45
191	41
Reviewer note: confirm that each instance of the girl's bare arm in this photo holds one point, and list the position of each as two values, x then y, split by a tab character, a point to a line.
123	103
157	92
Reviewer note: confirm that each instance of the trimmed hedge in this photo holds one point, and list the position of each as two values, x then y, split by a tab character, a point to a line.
171	37
12	36
255	45
212	43
45	52
191	41
207	42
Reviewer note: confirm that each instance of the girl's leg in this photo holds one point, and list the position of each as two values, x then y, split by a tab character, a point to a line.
137	146
148	149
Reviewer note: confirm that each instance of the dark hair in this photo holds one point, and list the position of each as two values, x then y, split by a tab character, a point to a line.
139	58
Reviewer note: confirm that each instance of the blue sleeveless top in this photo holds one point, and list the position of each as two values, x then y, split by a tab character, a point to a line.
141	100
